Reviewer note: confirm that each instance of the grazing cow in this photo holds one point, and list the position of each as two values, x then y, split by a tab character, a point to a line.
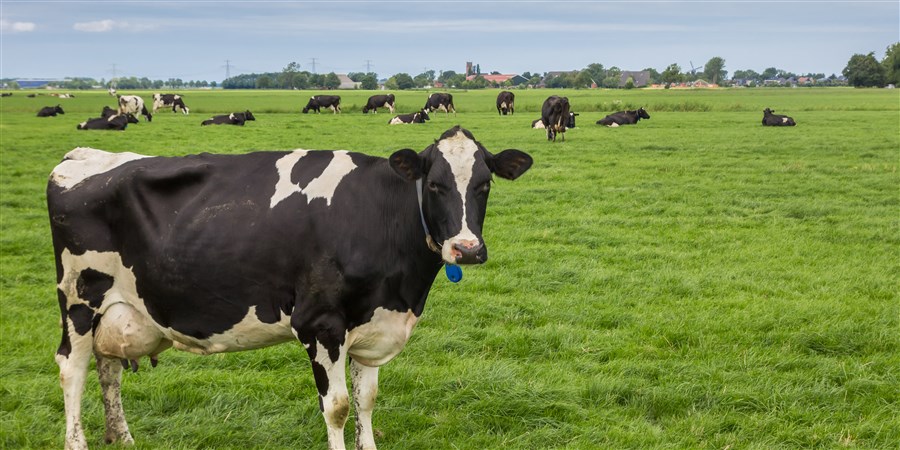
379	101
50	111
440	101
237	118
221	253
506	103
6	94
173	101
555	116
116	123
770	119
417	117
323	101
624	118
134	105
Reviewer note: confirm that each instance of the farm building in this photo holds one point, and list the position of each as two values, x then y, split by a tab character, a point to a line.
639	78
514	79
34	83
347	83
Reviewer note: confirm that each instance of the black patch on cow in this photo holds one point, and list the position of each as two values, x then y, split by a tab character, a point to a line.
310	167
321	377
65	346
92	285
82	318
95	322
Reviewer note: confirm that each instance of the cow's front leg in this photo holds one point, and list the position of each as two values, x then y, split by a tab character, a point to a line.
110	372
328	356
365	389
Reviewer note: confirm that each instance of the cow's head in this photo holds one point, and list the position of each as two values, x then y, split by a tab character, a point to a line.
58	109
424	115
642	114
456	175
311	104
248	115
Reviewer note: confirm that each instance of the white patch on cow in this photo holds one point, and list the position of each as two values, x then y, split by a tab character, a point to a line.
379	340
538	125
130	104
459	151
85	162
503	105
123	289
784	120
231	116
396	121
390	107
248	334
323	186
613	125
82	124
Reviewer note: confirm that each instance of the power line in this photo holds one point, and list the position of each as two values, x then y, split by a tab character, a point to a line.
313	64
368	66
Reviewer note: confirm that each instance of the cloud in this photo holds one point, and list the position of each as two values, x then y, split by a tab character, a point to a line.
103	26
16	27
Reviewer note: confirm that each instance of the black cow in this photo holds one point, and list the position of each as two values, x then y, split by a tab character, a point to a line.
50	111
440	101
323	101
218	253
237	118
555	116
624	118
6	94
132	104
417	117
379	101
770	119
506	103
116	123
169	100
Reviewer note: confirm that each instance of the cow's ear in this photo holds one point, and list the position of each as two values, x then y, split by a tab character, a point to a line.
407	164
510	163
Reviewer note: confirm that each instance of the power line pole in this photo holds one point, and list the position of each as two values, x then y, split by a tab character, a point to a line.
313	64
227	69
368	66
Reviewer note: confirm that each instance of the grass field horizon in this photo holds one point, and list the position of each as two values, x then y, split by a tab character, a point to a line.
693	281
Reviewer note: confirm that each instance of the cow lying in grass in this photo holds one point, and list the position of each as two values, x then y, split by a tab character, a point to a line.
624	118
770	119
50	111
237	118
417	117
116	122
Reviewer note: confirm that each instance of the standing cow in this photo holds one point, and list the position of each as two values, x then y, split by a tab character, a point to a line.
50	111
770	119
323	101
506	103
624	118
440	101
132	104
220	253
173	101
555	115
379	101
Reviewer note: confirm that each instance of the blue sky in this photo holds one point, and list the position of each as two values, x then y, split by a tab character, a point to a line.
192	40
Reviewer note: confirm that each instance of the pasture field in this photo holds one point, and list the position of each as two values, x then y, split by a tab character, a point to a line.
693	281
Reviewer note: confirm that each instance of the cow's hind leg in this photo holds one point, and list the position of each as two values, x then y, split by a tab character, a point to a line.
328	356
365	389
73	358
110	372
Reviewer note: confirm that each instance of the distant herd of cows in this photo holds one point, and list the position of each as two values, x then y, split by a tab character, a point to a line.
555	118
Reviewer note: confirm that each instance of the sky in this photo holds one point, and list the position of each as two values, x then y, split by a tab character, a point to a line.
202	40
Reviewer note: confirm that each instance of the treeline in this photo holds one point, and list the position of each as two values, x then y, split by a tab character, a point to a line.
82	83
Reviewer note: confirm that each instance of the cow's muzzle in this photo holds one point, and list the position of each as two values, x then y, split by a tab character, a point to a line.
469	252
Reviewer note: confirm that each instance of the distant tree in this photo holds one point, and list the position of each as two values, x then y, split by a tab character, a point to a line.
654	75
369	82
356	76
864	71
332	81
446	76
748	74
891	64
301	81
714	70
212	84
424	79
286	79
629	83
612	77
672	74
400	81
594	72
263	82
769	74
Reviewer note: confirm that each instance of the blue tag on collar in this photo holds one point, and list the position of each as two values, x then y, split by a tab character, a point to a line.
454	272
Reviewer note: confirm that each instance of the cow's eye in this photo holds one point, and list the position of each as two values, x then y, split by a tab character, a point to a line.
485	187
433	187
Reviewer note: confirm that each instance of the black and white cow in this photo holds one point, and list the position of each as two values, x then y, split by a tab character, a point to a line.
624	118
237	118
555	116
417	117
220	253
173	101
115	122
50	111
770	119
440	101
6	94
506	103
323	101
379	101
132	104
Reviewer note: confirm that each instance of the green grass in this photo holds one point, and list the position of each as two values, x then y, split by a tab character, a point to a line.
694	281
